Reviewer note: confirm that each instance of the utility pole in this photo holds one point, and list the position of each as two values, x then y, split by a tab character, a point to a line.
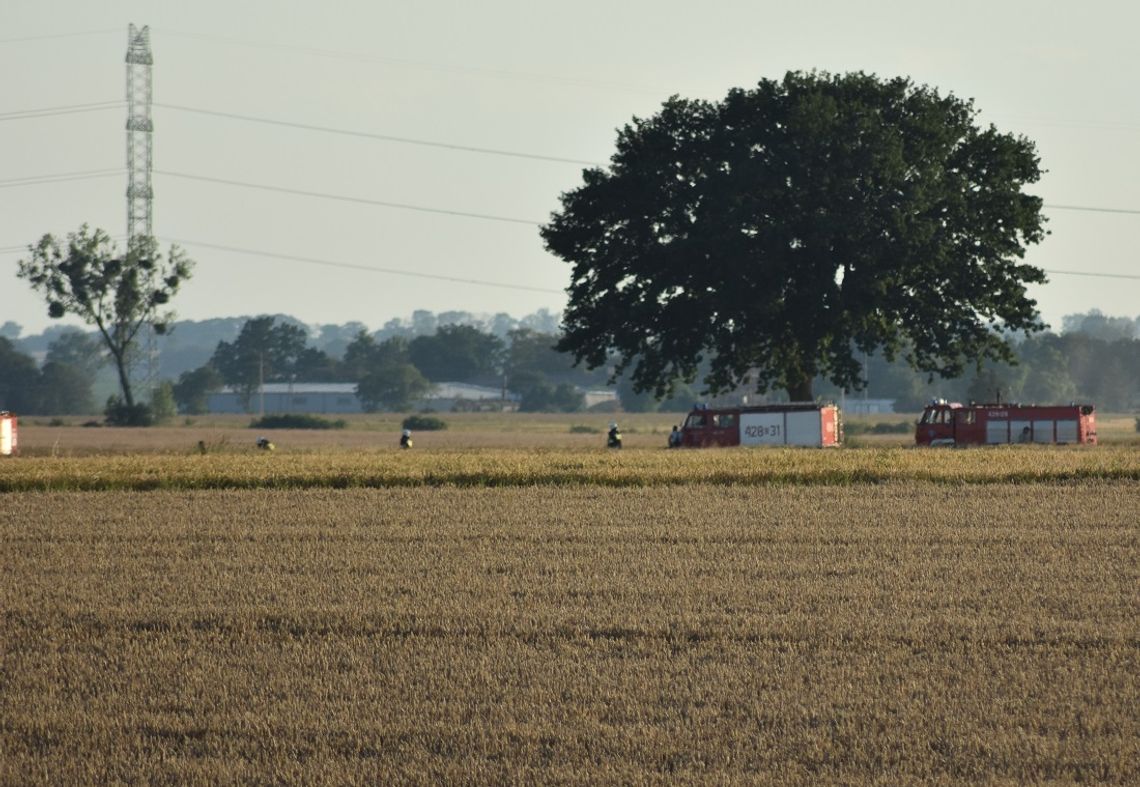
140	162
140	134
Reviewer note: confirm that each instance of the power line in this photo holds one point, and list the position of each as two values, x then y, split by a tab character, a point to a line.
357	267
1128	211
62	177
24	248
406	206
1119	125
69	109
1093	273
398	272
384	137
392	61
61	35
75	108
342	198
90	174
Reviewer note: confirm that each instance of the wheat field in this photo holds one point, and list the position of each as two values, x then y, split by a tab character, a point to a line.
891	629
514	467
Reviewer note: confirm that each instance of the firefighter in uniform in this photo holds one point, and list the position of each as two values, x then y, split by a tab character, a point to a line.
406	439
613	437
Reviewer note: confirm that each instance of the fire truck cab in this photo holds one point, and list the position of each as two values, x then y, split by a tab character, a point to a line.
951	423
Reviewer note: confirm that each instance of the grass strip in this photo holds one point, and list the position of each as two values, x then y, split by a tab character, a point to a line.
517	468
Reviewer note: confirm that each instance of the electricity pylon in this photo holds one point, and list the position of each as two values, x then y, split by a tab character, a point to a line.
140	161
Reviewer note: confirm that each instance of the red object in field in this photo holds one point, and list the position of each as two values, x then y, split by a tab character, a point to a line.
9	437
795	423
950	423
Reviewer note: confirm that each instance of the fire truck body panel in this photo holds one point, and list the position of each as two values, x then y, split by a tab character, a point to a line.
944	423
793	424
9	435
763	428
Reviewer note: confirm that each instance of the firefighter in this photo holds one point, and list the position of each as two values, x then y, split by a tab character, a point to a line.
613	438
675	438
264	444
406	439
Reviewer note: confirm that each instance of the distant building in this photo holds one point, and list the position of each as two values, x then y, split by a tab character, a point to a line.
597	396
340	398
463	397
276	398
868	406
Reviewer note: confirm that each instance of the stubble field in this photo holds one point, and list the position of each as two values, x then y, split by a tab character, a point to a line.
509	614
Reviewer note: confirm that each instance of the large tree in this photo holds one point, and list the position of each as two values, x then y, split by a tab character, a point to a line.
786	230
73	361
119	294
384	375
78	349
192	391
530	351
264	351
19	378
457	353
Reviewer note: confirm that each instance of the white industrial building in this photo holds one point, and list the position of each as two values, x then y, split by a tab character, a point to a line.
340	398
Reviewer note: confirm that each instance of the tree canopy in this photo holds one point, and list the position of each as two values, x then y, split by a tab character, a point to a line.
782	232
18	377
118	294
192	391
456	352
385	376
264	351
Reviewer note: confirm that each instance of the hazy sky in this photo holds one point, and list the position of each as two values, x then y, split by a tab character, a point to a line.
548	79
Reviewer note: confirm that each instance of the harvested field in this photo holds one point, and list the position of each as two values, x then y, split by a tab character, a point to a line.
522	468
901	631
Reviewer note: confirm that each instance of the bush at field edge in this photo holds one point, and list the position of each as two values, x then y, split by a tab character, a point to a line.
295	421
424	423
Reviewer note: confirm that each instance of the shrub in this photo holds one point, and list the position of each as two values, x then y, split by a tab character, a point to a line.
424	423
296	421
119	413
583	429
883	427
162	406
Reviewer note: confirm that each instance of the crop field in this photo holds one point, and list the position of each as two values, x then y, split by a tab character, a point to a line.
534	609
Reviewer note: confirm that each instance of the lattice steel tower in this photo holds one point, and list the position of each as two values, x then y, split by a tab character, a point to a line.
140	160
140	134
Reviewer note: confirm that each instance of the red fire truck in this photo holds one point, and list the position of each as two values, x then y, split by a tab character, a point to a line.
9	438
796	423
950	423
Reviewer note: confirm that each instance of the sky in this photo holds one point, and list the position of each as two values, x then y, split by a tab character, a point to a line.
355	160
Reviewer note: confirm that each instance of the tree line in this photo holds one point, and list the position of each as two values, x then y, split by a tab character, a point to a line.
390	370
818	233
1046	368
1096	358
390	367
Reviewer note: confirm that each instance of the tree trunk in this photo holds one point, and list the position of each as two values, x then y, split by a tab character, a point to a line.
801	391
124	379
